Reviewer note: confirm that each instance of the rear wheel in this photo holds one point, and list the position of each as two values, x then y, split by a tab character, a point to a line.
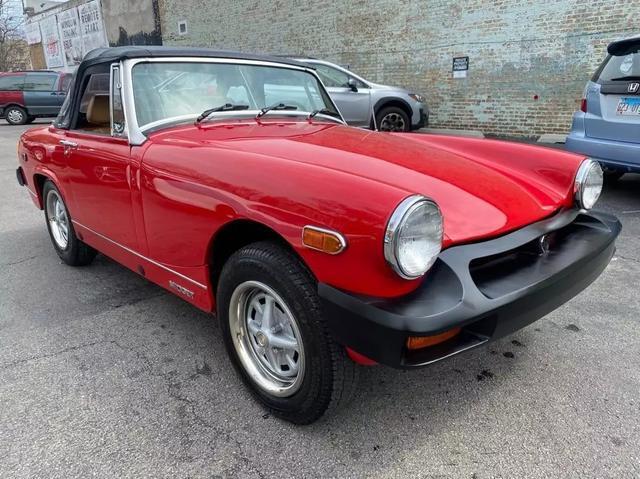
16	115
277	337
69	248
393	119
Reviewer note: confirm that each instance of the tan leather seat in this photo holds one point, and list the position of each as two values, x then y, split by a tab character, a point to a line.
98	114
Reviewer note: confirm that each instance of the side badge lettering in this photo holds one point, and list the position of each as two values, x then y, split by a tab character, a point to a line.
181	289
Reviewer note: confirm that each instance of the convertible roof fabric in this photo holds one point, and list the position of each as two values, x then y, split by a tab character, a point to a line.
105	56
101	55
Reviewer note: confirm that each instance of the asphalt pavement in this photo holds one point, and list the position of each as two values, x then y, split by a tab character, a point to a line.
103	374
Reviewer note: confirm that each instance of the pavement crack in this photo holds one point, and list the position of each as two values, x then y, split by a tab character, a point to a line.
23	260
627	258
37	357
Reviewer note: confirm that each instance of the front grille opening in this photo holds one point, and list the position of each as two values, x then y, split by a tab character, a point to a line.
508	271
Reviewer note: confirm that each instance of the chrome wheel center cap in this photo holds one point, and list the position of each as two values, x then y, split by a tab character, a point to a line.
262	340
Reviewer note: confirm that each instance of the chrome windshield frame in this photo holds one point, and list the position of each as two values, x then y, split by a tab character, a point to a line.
136	132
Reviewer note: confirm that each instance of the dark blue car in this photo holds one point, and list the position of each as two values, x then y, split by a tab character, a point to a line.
607	127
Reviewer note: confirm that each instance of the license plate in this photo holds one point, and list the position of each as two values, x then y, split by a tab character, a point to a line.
628	107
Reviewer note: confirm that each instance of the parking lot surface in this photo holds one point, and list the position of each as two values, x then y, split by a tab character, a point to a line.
104	374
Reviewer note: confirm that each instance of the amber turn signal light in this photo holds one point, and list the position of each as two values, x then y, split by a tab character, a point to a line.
323	240
419	342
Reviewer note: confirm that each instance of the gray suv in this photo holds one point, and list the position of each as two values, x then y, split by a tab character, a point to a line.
396	109
607	126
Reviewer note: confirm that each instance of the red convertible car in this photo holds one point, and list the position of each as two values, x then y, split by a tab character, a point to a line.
232	181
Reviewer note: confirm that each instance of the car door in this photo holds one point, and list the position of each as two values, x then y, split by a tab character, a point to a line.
99	169
41	96
11	89
354	101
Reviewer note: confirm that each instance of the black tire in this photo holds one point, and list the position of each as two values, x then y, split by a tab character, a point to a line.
393	118
330	377
30	120
16	115
75	253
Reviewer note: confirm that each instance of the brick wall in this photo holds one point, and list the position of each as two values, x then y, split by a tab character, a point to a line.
529	59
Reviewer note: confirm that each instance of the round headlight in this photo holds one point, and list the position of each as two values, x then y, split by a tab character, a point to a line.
588	186
413	238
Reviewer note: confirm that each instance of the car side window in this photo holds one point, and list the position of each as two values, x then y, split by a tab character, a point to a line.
94	115
40	82
332	77
65	82
11	82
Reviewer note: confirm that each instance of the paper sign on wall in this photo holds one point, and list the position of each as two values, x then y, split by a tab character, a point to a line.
51	42
69	25
91	26
32	33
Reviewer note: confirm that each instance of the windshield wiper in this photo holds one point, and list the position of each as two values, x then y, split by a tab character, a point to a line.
277	106
226	107
630	77
323	111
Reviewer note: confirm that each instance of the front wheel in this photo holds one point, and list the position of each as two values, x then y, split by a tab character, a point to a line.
393	119
277	337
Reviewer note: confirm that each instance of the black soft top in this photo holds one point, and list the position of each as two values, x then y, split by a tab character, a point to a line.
102	56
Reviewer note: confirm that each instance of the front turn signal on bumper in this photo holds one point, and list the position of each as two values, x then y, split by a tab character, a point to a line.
420	342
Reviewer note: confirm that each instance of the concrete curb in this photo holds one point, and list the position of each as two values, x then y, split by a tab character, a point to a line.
552	138
451	132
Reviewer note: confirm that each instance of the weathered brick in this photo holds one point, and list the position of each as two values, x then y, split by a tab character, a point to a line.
518	49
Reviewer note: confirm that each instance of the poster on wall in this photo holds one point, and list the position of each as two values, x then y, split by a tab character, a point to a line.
51	42
69	25
91	26
32	33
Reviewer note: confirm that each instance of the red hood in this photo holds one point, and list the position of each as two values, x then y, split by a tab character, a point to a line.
483	187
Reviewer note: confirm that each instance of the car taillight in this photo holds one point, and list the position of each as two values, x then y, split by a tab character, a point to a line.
583	105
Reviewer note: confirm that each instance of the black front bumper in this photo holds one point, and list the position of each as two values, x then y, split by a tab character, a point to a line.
423	122
489	289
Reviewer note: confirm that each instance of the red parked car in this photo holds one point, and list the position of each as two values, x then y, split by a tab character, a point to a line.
25	96
232	181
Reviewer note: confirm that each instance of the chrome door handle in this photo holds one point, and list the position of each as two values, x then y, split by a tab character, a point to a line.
69	144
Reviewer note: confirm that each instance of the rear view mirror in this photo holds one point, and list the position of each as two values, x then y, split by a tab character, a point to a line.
352	84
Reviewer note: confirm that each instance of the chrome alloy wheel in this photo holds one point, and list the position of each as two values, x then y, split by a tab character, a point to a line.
392	122
58	219
15	116
267	338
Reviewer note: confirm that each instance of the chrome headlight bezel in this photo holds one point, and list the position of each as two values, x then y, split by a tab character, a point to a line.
589	175
399	217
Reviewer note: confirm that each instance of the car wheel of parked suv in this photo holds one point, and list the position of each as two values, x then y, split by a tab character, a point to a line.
277	337
15	115
63	236
393	119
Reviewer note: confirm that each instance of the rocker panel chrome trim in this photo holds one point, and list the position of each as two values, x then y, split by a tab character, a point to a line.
155	263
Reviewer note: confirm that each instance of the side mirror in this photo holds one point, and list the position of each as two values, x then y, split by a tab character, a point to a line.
352	84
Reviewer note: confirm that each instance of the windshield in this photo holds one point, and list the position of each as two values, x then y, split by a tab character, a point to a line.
620	67
166	90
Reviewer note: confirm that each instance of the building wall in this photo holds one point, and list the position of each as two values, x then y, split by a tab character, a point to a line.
529	59
132	22
125	22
